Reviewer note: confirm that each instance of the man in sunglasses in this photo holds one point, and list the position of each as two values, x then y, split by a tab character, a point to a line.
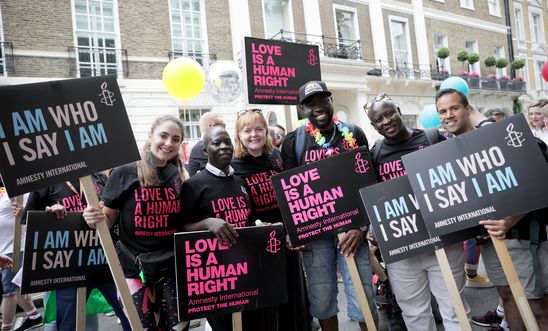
321	137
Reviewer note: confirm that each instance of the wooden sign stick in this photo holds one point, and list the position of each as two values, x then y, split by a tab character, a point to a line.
17	236
81	296
453	290
360	291
515	286
112	257
237	321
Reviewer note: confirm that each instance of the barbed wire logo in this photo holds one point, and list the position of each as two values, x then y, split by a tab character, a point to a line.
513	138
273	243
106	95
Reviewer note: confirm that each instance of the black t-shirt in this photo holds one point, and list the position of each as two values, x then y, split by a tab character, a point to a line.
256	172
313	152
148	216
197	159
388	163
206	195
67	195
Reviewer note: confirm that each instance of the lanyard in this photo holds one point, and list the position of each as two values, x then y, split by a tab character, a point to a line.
73	189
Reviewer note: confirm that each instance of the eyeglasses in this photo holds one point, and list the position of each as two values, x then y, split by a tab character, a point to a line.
381	97
245	111
223	125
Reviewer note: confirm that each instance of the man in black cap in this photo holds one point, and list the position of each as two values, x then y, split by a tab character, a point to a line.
324	136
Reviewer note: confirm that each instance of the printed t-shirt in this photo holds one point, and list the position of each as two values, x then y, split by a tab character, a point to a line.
206	195
256	173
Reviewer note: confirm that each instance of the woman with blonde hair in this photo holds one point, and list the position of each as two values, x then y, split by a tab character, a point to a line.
255	161
535	114
135	197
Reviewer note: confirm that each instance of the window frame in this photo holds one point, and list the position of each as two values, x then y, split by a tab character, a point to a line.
520	27
93	35
290	21
188	124
447	60
467	4
532	13
476	66
392	18
496	11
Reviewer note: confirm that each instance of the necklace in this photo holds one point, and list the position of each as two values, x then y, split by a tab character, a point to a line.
320	139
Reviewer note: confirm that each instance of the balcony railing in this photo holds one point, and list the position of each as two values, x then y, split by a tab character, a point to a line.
205	60
97	61
401	70
329	46
6	58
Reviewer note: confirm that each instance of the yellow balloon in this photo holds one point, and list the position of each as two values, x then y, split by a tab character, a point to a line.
183	78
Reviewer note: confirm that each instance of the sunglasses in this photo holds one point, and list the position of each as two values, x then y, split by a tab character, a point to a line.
245	111
381	97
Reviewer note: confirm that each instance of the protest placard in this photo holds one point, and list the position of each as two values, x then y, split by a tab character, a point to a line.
55	130
320	198
276	69
492	172
214	278
61	253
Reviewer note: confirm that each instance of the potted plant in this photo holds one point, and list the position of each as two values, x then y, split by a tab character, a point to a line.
443	53
462	56
518	84
473	80
490	61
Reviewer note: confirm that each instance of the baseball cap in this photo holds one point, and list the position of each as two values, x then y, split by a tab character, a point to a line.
312	88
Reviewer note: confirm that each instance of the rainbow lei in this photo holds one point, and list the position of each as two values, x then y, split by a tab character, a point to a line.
320	139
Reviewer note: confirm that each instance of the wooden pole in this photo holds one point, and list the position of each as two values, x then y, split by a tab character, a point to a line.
237	321
360	291
515	286
81	296
453	290
112	257
17	236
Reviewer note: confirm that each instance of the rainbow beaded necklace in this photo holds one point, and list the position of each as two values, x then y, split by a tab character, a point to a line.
315	133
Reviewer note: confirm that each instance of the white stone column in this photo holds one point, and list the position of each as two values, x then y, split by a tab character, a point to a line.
377	31
240	26
420	35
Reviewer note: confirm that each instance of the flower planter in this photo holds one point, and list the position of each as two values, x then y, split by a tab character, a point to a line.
489	84
518	85
473	82
503	84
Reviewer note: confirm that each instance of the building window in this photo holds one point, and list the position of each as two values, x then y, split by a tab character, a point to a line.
519	24
191	121
536	26
494	7
498	52
409	121
440	41
277	16
471	46
401	45
188	30
468	4
96	36
541	85
346	24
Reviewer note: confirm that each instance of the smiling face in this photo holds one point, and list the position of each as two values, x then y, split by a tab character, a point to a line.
253	137
536	117
453	114
165	141
218	147
386	118
319	110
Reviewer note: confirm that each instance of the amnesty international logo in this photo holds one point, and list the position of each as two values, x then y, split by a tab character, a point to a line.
312	58
106	95
273	243
361	164
513	138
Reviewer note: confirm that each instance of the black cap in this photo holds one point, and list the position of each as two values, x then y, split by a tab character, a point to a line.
312	88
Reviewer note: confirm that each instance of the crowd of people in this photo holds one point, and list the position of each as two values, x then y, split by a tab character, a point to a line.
222	166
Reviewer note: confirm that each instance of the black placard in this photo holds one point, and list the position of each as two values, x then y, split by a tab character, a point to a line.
61	253
62	129
276	70
213	278
488	173
322	197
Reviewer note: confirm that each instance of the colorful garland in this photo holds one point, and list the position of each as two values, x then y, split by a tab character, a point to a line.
320	139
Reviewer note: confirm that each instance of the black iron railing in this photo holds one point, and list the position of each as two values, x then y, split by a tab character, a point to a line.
329	46
6	58
97	61
205	60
